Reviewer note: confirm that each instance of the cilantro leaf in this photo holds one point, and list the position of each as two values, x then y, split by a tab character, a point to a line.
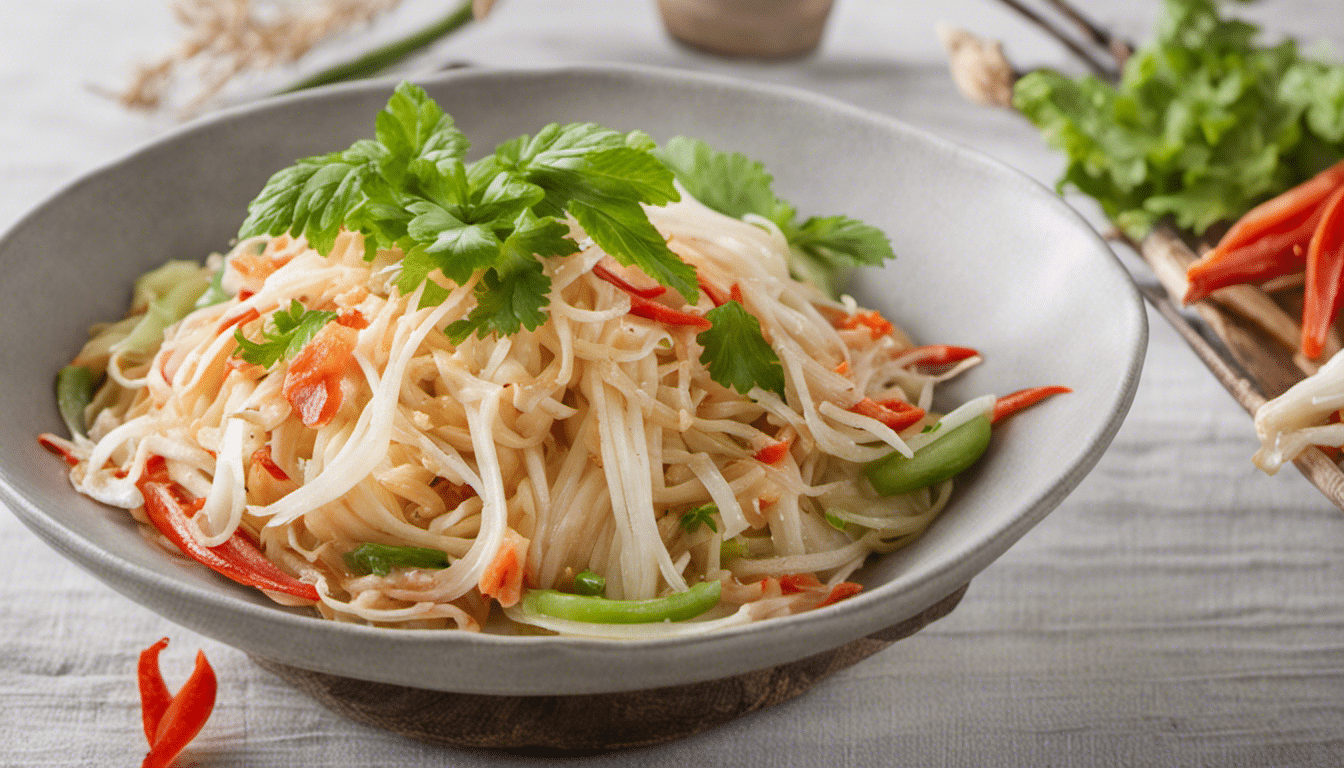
728	182
459	249
735	185
1204	124
841	240
701	515
412	127
292	330
509	297
736	353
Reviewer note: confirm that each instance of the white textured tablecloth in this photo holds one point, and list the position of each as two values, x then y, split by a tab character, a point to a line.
1178	609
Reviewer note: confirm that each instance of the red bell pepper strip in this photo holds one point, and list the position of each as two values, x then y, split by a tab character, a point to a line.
1325	269
313	382
896	414
154	695
237	559
773	453
262	457
625	285
185	715
1023	398
841	591
877	325
937	354
713	292
1269	241
652	310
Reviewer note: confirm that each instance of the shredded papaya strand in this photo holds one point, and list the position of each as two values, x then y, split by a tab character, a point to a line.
185	716
937	354
237	559
154	694
313	382
1013	402
661	313
1325	269
651	292
503	577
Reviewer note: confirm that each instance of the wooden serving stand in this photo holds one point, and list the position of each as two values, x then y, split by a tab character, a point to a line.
1253	359
586	724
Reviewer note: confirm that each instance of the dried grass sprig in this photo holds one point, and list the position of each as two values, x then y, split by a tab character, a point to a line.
226	38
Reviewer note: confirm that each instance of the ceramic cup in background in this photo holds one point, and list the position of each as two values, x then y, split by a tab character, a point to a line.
767	29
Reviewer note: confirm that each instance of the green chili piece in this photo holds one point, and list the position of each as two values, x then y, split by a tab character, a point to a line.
74	392
380	559
678	606
949	455
590	584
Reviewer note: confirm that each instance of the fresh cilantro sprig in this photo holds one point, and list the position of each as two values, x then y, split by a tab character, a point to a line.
291	331
1204	123
735	185
410	188
737	354
698	516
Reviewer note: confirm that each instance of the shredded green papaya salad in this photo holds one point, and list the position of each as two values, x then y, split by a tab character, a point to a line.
586	384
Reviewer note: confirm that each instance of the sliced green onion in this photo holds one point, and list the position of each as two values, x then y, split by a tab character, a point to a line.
74	392
678	606
949	455
380	559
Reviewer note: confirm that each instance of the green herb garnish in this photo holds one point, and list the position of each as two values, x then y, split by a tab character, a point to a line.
701	515
735	185
1203	125
736	354
380	559
500	216
292	330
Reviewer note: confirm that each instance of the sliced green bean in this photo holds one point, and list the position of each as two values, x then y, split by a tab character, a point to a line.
380	559
590	584
74	392
945	457
678	606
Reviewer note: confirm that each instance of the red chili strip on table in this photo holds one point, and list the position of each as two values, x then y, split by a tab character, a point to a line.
1269	241
625	285
1023	398
937	354
652	310
154	695
1325	268
184	716
237	559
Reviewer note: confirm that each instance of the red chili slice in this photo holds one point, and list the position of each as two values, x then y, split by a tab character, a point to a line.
185	715
1023	398
652	310
625	285
937	354
154	695
896	414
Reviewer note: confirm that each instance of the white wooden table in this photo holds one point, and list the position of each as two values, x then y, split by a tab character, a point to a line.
1178	609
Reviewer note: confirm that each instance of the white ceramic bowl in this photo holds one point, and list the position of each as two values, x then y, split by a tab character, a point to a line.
986	258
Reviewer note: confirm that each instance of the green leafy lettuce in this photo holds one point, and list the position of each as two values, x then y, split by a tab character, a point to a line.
1204	123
